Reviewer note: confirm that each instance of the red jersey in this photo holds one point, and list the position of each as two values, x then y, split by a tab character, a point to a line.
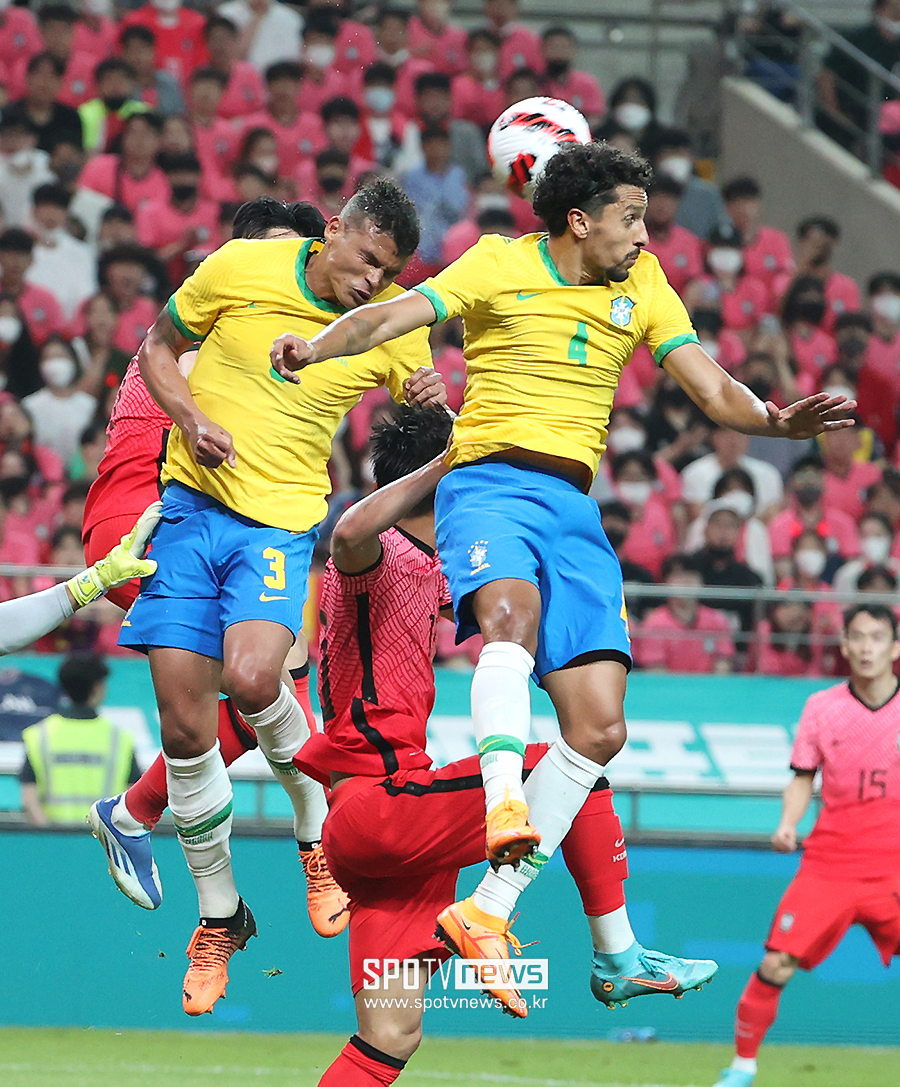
857	834
376	677
128	475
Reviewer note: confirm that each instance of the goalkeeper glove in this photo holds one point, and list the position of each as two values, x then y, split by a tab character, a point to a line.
123	563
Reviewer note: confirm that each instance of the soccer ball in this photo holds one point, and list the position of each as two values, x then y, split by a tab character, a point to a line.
526	135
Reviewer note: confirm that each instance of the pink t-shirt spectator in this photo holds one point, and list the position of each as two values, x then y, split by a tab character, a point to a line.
520	48
842	296
814	353
848	495
77	85
20	37
20	548
303	139
355	48
681	255
216	145
580	90
782	660
445	52
732	350
666	642
742	307
335	84
97	42
884	358
639	378
651	537
180	47
103	174
405	87
158	225
450	363
42	312
245	92
836	527
769	255
132	325
460	237
305	176
480	103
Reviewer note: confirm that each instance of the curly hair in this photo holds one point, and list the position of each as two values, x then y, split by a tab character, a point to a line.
389	210
585	176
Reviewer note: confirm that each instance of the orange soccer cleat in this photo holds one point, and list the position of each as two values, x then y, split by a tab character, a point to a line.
509	836
209	951
328	905
471	933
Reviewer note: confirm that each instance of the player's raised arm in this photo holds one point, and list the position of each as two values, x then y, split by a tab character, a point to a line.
730	404
158	362
357	331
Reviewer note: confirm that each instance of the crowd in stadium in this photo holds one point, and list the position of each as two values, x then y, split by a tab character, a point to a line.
127	142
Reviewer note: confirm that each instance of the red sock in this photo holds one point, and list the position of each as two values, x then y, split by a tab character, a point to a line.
300	676
756	1012
594	850
361	1065
146	800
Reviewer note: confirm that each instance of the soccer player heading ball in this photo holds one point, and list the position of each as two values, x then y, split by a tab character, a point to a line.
551	320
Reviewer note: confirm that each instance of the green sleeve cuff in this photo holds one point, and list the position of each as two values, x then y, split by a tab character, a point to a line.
179	324
678	341
435	299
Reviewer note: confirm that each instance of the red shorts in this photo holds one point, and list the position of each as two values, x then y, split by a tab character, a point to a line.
100	540
815	913
396	846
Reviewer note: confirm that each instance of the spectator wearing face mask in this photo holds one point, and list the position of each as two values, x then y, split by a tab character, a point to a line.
883	353
298	135
435	40
735	488
617	524
520	47
562	80
876	390
767	251
847	476
39	308
721	344
270	31
321	79
808	566
627	433
19	373
803	312
742	299
22	167
632	114
124	275
61	264
342	126
678	250
718	563
60	411
729	450
806	510
393	48
478	95
103	118
178	30
702	210
817	239
876	539
652	536
330	181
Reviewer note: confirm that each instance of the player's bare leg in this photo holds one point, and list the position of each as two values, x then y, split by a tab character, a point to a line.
256	653
756	1012
387	1036
200	798
508	612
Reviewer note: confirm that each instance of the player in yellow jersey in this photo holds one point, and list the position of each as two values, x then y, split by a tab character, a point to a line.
246	480
551	319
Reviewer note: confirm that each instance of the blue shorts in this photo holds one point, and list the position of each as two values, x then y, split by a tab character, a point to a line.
216	568
496	520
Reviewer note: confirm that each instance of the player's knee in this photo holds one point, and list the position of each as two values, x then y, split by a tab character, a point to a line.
397	1039
509	622
600	739
252	685
777	967
180	739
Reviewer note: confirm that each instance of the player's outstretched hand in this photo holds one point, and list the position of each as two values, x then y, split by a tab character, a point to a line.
290	353
809	417
211	444
425	388
784	840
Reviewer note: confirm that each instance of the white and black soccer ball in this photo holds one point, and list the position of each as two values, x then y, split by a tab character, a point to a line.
527	135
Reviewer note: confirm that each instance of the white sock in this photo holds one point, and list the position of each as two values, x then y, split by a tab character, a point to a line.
24	620
200	800
281	730
611	932
561	780
124	821
501	714
745	1064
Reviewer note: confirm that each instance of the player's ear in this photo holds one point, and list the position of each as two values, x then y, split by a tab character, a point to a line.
578	223
895	650
844	648
334	228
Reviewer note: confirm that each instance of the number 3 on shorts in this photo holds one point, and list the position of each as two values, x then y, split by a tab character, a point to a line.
275	580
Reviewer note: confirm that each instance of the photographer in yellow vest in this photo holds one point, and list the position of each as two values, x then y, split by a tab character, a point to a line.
74	756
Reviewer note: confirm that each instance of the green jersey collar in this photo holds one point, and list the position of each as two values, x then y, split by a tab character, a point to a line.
306	251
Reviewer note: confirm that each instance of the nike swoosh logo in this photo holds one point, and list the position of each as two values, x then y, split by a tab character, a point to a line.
465	924
667	985
265	599
524	297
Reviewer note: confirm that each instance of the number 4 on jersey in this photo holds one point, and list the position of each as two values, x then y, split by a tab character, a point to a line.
578	344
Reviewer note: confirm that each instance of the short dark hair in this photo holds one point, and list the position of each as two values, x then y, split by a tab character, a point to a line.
876	611
734	475
801	465
137	34
883	281
12	123
339	107
585	176
615	508
680	564
380	72
645	89
51	194
112	64
255	218
149	117
322	21
387	12
389	210
57	13
39	59
211	75
331	156
118	213
219	22
413	437
284	69
77	491
434	132
495	219
867	577
666	185
174	162
824	223
80	674
16	240
558	31
741	188
126	253
432	81
853	320
482	34
881	518
635	456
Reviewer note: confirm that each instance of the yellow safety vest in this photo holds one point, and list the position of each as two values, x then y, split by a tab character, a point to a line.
75	762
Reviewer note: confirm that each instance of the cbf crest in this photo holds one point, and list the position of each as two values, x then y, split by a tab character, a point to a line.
478	557
620	311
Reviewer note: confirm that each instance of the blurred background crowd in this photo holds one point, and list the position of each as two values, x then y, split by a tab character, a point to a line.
128	137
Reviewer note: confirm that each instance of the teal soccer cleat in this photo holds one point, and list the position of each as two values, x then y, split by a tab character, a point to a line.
731	1077
616	979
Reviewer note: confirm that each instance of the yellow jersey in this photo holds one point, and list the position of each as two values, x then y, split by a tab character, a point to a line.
240	299
544	356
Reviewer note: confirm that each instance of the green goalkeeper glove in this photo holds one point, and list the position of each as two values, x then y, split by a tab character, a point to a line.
123	563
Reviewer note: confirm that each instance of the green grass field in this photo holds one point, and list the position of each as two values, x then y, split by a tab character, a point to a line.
95	1058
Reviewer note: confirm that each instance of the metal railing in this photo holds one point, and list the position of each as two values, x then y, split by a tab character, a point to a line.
788	61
